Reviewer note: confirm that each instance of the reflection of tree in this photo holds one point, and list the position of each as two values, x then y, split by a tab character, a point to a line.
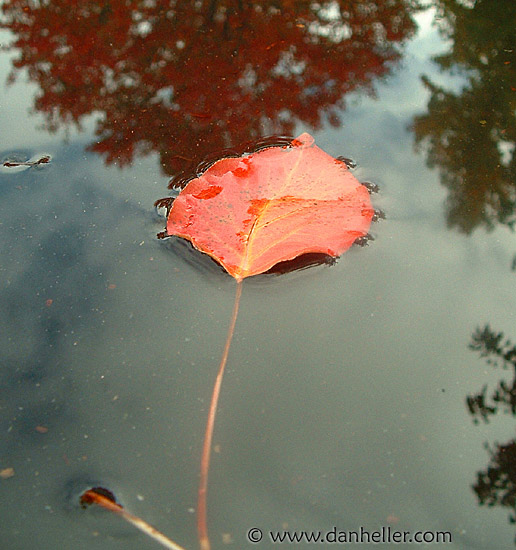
497	484
499	352
187	77
471	134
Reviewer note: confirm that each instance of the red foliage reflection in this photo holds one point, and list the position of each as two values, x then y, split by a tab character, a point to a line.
187	77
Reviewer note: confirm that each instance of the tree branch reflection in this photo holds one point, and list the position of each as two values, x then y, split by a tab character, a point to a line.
186	78
496	485
470	134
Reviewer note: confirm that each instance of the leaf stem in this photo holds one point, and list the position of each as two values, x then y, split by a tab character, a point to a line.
202	528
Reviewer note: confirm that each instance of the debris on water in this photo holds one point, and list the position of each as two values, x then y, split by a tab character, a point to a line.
91	495
364	240
350	163
106	499
378	215
163	206
6	473
371	187
13	162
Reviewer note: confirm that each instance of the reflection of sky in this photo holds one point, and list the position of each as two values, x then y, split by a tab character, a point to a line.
18	99
333	404
17	114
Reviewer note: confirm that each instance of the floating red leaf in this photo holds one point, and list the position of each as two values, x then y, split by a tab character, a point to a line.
251	212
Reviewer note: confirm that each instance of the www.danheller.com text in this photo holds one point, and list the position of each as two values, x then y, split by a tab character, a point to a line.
358	536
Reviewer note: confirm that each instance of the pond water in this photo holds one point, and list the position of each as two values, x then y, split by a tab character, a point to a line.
374	393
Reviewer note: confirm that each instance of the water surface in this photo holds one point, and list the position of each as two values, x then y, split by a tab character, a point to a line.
345	399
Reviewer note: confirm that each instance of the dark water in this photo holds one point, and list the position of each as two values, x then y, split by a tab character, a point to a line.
346	401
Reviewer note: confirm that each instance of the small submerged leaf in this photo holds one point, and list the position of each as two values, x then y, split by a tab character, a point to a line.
99	495
106	499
